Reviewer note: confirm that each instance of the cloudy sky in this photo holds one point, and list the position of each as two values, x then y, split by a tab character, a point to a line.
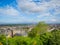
29	11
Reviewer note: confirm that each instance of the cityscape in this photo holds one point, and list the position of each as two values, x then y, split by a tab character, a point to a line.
22	30
29	22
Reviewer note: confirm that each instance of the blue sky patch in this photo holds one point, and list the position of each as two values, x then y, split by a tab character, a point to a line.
29	11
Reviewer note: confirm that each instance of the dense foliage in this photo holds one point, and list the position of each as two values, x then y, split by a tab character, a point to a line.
37	36
40	28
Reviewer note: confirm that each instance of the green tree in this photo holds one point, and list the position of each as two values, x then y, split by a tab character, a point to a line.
45	38
55	40
40	28
22	40
3	39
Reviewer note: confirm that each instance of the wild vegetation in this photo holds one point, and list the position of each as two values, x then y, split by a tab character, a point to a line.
37	36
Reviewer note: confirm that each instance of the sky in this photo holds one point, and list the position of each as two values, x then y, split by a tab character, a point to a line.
29	11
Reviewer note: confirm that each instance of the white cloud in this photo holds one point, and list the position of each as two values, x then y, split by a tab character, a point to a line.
44	15
27	5
9	11
53	20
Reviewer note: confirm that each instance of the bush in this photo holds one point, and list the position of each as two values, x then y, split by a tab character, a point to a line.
3	39
55	40
45	38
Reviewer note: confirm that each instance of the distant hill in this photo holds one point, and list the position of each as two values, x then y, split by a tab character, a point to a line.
22	24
